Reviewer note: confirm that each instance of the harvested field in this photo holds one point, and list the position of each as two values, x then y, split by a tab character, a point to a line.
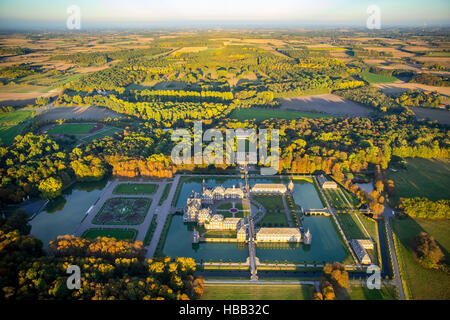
189	49
399	87
442	116
79	113
441	60
23	95
395	52
325	103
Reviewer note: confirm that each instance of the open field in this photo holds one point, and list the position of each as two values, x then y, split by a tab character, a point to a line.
377	78
11	124
263	114
445	61
396	88
423	178
356	292
423	283
14	118
257	292
135	188
119	234
79	113
72	128
106	131
439	115
18	95
326	104
395	52
7	134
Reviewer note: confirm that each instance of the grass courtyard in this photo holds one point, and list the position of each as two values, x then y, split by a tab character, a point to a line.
423	283
270	202
135	188
123	211
257	292
422	178
119	234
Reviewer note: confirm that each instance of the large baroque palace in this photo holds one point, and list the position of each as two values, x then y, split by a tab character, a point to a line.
198	210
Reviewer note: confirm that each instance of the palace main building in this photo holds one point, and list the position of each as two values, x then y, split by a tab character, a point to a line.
198	210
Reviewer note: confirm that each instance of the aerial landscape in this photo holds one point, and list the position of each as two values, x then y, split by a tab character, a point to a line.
350	202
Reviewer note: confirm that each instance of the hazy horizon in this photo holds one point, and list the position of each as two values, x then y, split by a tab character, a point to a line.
102	14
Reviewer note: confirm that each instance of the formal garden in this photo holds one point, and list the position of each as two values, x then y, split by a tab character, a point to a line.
123	211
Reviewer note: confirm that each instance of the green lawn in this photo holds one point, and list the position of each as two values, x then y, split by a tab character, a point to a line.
336	199
135	188
72	128
7	134
221	234
14	118
422	178
271	203
377	78
105	132
150	231
257	292
363	293
262	114
423	283
165	193
119	234
11	124
350	227
272	219
225	206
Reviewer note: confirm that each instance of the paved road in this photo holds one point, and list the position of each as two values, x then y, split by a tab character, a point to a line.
398	278
163	212
259	282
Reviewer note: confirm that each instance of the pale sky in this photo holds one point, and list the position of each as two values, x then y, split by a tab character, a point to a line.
53	13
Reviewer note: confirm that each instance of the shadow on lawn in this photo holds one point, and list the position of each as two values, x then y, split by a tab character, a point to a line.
413	229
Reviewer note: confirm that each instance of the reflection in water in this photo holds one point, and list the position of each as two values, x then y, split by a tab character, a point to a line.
64	214
278	245
56	204
92	185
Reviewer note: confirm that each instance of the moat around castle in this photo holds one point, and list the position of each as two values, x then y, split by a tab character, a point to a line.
217	228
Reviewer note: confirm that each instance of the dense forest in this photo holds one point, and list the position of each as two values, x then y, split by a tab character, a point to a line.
112	269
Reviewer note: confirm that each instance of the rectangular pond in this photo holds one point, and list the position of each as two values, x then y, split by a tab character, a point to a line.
305	193
64	214
178	244
326	245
